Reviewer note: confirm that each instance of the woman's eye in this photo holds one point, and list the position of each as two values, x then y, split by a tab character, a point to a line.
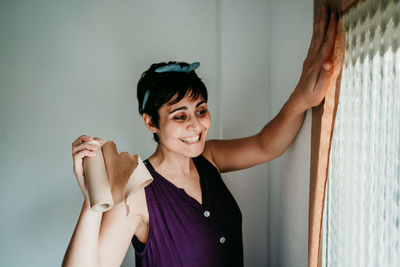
180	118
201	112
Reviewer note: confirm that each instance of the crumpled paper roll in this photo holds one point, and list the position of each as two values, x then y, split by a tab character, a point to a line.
111	177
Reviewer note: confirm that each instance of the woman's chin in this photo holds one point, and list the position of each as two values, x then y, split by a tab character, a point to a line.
194	150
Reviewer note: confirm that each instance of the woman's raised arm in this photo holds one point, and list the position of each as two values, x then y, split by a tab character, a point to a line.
278	134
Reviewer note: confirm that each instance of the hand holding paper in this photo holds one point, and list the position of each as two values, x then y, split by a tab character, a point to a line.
111	177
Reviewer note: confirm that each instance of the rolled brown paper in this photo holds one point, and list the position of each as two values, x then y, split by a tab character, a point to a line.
97	183
113	177
139	179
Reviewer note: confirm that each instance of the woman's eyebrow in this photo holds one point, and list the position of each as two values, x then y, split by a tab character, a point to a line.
201	102
181	108
185	108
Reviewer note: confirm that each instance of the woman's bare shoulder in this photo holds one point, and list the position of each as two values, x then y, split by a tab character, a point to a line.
207	155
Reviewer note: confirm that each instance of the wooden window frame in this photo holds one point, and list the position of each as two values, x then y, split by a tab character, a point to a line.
323	122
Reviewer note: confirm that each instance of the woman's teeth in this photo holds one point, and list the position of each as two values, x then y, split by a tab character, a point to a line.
191	139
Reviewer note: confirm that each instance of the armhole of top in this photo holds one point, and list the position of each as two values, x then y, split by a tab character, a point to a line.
207	162
139	247
208	153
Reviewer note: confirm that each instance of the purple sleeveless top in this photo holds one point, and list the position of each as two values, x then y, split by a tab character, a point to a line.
184	232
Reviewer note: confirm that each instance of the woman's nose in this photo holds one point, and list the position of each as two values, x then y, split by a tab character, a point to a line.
194	124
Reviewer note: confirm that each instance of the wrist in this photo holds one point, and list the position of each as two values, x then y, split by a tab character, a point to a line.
94	216
295	105
86	205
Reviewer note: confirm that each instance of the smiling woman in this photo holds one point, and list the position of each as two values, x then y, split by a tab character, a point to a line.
208	231
187	216
159	86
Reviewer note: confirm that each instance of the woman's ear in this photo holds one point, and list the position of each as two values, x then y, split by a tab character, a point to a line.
148	123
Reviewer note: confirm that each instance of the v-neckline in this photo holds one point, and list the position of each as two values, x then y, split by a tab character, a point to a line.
202	204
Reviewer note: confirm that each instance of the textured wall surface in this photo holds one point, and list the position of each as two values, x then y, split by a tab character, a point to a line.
244	111
71	68
68	68
291	30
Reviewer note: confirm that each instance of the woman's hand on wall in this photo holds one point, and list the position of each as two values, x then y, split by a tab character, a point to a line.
318	66
81	149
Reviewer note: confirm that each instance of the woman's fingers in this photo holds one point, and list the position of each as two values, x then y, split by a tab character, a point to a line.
78	167
323	22
319	31
80	149
81	139
325	50
98	139
331	32
310	49
315	31
78	163
329	42
325	55
325	73
83	153
315	28
84	139
83	146
324	79
317	67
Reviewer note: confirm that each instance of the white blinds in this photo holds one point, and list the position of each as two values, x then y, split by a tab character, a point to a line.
362	214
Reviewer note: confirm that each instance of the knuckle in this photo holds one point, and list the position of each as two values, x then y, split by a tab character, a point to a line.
312	69
325	52
309	71
89	146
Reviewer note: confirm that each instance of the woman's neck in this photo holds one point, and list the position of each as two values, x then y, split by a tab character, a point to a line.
171	163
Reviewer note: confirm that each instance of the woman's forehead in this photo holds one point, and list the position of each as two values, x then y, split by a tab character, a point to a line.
186	100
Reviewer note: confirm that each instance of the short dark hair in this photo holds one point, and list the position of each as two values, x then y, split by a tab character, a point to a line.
164	86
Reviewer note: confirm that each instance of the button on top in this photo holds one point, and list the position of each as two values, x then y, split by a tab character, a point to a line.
207	214
222	240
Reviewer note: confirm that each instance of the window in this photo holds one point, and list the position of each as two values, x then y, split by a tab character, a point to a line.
361	224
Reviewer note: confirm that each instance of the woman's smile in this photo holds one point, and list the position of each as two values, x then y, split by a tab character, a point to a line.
191	139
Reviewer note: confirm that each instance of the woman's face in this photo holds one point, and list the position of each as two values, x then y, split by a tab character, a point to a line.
183	126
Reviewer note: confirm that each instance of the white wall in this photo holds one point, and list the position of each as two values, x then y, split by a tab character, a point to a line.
71	67
291	29
244	106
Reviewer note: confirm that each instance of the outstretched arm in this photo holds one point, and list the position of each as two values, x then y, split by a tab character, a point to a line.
101	239
278	134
